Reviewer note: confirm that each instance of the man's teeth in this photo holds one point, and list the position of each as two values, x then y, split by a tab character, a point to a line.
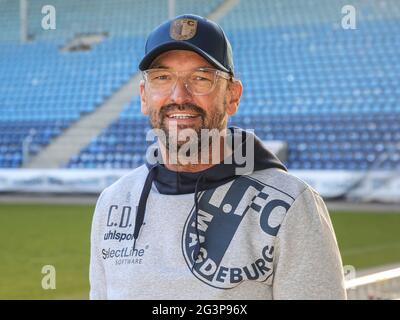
181	116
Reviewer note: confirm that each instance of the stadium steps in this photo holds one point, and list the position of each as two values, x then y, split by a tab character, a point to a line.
222	9
57	153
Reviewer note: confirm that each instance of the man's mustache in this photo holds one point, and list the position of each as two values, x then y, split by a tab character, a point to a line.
181	107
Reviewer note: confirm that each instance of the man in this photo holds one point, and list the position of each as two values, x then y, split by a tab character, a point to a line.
227	223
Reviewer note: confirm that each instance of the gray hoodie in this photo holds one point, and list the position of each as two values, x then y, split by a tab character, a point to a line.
161	234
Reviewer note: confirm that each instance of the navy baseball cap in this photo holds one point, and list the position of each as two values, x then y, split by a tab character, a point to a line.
194	33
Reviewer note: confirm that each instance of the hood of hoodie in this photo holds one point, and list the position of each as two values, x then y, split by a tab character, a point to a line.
173	182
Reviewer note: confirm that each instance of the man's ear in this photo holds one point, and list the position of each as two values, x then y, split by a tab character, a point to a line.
235	90
143	104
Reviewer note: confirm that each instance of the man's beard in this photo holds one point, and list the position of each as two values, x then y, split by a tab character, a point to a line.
216	120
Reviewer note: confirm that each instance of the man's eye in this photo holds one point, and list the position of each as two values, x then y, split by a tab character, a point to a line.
200	78
162	77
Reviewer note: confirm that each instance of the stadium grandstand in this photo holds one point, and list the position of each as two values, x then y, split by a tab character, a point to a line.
332	94
70	119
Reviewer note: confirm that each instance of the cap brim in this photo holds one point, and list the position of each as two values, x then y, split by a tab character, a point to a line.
177	45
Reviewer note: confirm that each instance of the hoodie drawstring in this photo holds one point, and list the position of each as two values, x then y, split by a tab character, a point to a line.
141	210
196	251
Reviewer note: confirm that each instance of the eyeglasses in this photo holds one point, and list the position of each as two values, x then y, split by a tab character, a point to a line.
198	82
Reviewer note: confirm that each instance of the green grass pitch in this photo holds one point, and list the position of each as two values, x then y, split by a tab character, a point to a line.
32	236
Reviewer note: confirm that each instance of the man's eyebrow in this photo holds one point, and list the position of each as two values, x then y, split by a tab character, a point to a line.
158	66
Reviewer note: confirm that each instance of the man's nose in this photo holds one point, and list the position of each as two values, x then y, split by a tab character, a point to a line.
180	93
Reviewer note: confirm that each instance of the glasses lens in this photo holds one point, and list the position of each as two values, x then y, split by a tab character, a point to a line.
201	81
160	80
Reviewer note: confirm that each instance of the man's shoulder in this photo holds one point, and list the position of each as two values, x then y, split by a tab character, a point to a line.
129	181
281	180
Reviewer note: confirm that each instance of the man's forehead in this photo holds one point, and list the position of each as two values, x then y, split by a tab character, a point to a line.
178	57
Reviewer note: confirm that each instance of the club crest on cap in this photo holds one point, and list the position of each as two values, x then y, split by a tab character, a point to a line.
183	29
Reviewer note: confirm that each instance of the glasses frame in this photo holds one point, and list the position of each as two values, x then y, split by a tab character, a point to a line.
218	74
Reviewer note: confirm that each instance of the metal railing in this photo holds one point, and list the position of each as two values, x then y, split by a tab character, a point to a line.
383	285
